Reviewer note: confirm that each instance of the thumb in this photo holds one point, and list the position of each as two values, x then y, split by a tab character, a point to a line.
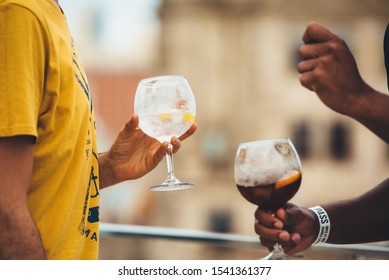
316	33
131	125
293	216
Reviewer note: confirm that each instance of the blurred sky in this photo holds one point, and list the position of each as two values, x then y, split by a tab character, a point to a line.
120	26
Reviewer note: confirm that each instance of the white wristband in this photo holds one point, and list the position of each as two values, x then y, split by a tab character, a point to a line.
325	225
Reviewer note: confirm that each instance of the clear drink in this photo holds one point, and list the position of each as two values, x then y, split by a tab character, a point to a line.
163	126
166	107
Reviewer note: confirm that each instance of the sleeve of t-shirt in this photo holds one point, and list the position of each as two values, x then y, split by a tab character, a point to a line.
22	66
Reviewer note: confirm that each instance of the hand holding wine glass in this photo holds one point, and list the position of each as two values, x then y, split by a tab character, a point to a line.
166	107
268	174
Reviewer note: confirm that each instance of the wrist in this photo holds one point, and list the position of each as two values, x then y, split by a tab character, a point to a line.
106	177
323	225
363	106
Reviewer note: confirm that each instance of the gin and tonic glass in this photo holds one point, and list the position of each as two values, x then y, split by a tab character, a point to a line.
166	107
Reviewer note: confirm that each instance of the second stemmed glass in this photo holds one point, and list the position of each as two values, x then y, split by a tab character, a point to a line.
268	174
166	108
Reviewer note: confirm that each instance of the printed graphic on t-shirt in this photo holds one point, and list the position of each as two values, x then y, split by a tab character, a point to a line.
90	214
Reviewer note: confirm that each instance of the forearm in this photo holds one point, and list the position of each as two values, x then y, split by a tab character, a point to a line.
106	177
19	237
371	110
362	219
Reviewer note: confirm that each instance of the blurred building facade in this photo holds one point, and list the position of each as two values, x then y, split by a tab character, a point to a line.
240	57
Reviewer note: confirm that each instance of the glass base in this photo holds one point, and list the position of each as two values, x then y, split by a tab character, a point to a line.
173	186
278	254
275	256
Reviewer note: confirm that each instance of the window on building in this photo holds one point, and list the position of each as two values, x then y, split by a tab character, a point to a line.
301	139
215	148
339	141
220	221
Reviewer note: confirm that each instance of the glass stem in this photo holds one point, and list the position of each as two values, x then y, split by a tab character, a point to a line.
278	252
171	177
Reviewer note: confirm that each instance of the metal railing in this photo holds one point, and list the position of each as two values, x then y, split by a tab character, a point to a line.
135	231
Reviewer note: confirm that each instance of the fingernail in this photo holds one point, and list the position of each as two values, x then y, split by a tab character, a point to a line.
284	236
278	225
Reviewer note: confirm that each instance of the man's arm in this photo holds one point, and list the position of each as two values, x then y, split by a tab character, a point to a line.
361	219
329	69
373	113
19	236
356	220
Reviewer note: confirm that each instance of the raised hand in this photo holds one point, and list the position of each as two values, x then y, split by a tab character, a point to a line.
134	154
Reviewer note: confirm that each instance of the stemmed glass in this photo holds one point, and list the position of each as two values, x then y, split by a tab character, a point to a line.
166	107
268	174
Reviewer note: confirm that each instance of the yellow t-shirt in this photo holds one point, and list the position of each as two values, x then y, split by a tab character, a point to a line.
44	93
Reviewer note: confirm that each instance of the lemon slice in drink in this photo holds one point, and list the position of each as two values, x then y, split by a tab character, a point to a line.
188	117
165	117
287	180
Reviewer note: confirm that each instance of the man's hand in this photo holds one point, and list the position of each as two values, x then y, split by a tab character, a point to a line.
134	154
295	228
329	68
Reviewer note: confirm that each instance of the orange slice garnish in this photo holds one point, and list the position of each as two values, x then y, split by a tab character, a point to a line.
189	117
165	117
288	180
